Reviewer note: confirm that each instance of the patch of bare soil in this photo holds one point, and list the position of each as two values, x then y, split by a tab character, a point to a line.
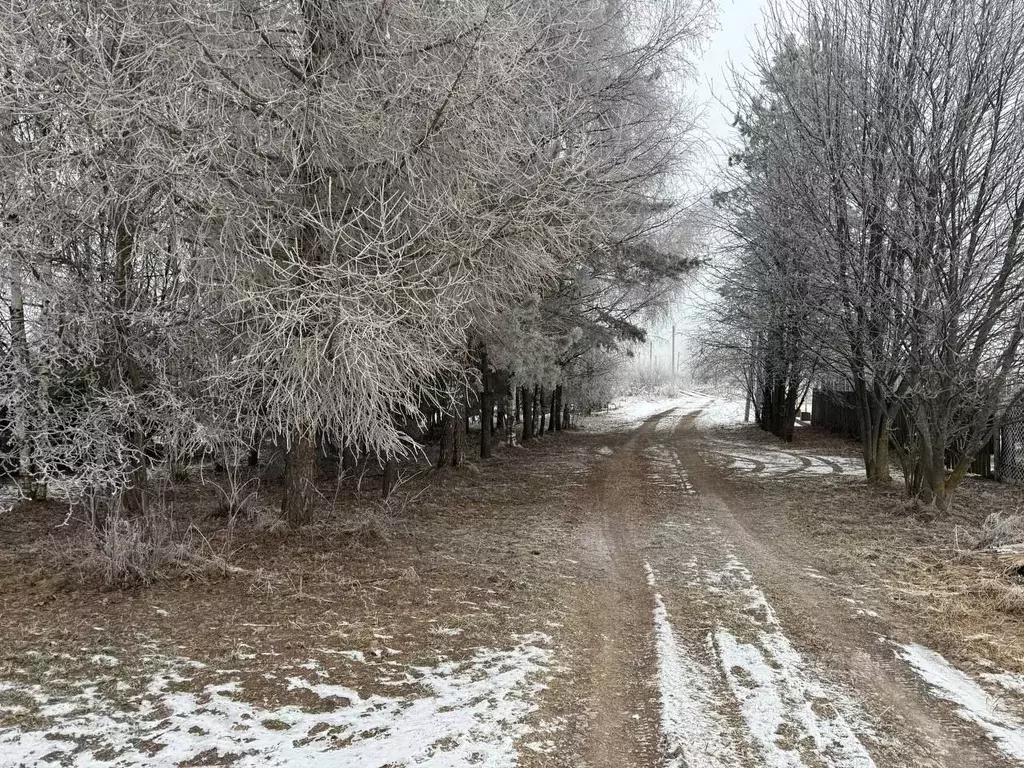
858	570
460	561
916	566
609	620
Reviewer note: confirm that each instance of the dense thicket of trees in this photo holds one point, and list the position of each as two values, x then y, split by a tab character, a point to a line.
321	223
877	210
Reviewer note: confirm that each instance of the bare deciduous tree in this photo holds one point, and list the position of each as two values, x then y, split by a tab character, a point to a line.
905	118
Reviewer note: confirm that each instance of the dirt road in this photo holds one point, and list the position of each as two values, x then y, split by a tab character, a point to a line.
710	639
657	590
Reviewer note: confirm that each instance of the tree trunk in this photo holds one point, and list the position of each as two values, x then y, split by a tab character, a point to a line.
764	417
133	499
254	450
486	407
124	366
882	473
789	414
541	412
390	478
446	450
555	413
299	466
526	401
510	417
874	433
937	486
349	457
19	349
461	431
566	424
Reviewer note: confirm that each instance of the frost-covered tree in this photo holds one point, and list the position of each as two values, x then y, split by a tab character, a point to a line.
97	118
767	309
906	117
309	221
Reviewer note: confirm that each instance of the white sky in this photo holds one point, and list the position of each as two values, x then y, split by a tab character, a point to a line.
728	47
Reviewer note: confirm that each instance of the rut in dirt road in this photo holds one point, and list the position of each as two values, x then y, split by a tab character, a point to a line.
782	681
615	619
703	646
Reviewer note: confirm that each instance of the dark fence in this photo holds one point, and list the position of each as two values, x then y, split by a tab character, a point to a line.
1009	451
836	410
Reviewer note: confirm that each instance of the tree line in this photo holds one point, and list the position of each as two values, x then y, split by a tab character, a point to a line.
228	222
874	219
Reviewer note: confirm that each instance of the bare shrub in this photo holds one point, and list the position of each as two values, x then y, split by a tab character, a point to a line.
120	551
1000	532
238	494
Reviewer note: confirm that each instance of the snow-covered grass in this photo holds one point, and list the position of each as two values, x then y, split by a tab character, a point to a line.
453	714
722	411
693	733
972	701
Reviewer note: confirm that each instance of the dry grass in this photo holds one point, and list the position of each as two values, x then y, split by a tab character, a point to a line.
999	531
952	581
972	604
119	551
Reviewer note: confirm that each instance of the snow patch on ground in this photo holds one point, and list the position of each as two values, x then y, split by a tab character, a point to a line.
792	718
473	713
735	578
773	463
625	412
722	411
973	702
693	733
783	707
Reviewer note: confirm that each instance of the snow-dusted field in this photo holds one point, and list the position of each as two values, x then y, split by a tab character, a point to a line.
771	462
467	713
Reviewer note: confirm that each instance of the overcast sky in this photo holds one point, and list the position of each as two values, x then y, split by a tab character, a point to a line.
729	46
